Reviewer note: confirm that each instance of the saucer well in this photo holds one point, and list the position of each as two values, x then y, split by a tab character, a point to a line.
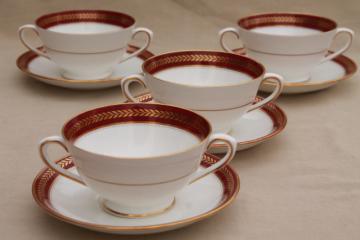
323	76
46	71
78	205
252	128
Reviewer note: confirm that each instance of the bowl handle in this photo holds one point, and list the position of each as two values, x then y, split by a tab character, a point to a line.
43	148
222	42
22	39
350	34
125	83
230	142
279	81
149	35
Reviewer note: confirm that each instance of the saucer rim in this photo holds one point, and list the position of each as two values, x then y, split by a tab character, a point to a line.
23	61
277	115
348	64
45	204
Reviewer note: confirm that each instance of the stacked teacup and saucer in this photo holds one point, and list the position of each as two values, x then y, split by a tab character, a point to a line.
144	166
83	49
297	47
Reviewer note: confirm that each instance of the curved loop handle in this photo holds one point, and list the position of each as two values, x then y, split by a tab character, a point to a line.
22	39
43	148
279	81
125	83
230	142
350	34
149	36
223	44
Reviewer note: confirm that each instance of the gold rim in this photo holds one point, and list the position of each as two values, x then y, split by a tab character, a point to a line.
26	58
347	63
276	114
46	175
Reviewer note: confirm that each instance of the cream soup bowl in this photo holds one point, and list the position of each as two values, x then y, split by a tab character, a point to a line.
135	156
290	44
85	44
220	86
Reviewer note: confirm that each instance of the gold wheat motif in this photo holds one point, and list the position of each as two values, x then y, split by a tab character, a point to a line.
49	173
123	113
85	16
288	20
201	58
187	58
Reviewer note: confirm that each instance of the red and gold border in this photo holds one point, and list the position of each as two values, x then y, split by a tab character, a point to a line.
205	58
44	180
290	19
136	112
25	59
101	16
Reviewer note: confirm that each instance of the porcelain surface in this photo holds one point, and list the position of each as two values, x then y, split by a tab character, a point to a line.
85	28
285	30
136	140
209	76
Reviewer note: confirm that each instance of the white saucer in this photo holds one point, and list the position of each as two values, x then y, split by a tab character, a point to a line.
76	204
46	71
252	128
323	76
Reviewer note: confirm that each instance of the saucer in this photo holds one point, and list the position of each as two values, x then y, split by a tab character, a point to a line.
323	76
252	128
59	197
46	71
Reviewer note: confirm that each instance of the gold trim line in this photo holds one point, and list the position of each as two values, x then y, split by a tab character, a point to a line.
282	54
211	110
85	53
138	184
134	215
